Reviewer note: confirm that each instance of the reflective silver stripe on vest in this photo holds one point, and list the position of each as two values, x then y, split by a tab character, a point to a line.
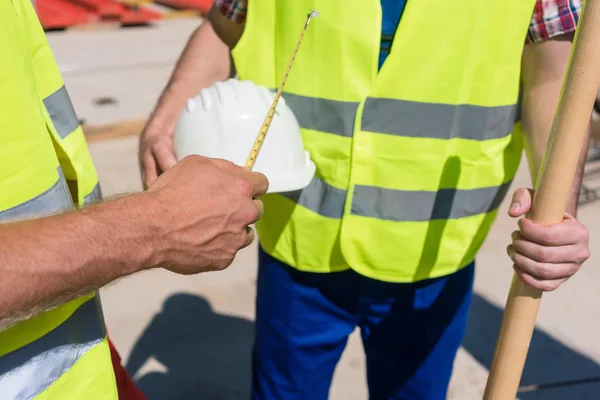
321	198
331	116
61	112
54	200
400	205
29	370
437	121
95	196
405	118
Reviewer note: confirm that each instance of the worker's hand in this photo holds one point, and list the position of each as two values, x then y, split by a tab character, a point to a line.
156	153
201	210
546	256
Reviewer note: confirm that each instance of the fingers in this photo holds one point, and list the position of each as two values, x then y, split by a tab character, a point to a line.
569	231
249	237
251	184
521	202
542	271
544	285
260	208
156	159
149	173
545	254
224	164
255	216
260	183
164	155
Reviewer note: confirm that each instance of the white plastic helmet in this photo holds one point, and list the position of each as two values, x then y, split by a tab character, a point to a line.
223	122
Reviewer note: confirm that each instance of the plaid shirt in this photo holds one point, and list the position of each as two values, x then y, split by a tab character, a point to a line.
234	10
550	17
553	18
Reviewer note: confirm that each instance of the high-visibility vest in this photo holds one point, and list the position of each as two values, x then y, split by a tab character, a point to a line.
45	168
412	161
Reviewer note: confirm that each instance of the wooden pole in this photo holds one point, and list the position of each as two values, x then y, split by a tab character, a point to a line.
553	189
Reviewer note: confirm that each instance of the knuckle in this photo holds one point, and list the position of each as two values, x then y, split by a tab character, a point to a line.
584	254
226	261
222	163
585	234
249	237
189	159
548	286
548	236
194	158
156	145
242	239
223	264
573	270
250	214
544	271
230	259
543	254
586	231
263	179
244	187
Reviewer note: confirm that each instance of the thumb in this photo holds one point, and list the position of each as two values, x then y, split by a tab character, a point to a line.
165	157
521	202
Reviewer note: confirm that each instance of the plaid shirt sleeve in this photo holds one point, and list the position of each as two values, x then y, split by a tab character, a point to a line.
234	10
553	18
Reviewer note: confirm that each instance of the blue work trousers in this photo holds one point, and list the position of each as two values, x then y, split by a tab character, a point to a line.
410	332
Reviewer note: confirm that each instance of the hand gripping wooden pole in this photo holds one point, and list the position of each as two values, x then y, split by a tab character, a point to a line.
553	189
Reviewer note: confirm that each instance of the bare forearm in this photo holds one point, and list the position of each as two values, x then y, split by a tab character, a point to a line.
204	61
544	66
48	261
537	123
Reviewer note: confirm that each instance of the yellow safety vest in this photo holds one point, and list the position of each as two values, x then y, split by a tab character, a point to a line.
412	161
45	168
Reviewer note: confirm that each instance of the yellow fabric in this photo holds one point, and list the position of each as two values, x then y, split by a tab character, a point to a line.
32	329
72	151
85	380
76	163
475	62
30	153
30	158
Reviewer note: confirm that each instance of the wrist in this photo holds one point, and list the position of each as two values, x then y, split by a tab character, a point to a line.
125	228
166	113
153	229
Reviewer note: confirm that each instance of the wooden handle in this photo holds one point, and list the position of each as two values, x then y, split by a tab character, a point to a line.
553	189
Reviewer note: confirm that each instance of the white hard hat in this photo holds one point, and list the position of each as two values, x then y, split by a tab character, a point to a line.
223	122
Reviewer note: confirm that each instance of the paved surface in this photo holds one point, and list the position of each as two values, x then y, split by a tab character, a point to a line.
190	337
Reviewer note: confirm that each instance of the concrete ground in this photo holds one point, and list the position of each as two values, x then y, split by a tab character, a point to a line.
190	337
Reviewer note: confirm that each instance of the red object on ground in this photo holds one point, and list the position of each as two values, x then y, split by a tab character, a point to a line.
59	14
138	17
125	385
103	8
201	5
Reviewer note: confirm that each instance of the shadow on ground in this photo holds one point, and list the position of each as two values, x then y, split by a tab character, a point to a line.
206	355
549	361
